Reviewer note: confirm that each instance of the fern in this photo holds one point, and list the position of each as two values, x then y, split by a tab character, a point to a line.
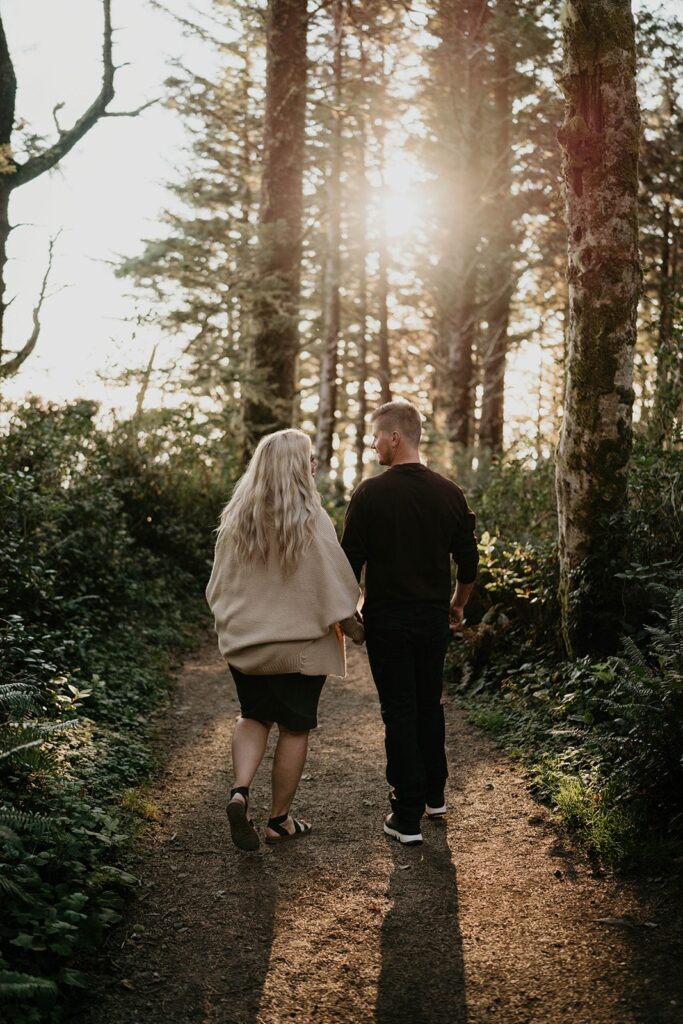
10	888
16	985
26	821
30	736
644	722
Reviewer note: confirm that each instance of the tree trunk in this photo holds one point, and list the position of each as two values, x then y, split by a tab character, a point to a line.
501	236
269	404
460	58
331	302
362	278
669	380
384	374
600	138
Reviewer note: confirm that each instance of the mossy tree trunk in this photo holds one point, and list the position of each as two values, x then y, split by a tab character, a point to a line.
331	304
600	140
270	405
668	398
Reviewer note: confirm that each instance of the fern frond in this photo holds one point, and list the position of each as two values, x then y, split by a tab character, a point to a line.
16	985
10	888
27	821
34	736
634	656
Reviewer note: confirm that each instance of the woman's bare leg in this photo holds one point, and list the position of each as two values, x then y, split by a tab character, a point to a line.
288	764
249	742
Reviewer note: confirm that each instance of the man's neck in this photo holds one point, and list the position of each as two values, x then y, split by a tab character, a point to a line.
406	457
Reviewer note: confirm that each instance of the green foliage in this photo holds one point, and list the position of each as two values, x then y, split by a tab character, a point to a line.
105	548
603	737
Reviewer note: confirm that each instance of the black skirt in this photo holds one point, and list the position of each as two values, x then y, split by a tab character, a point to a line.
290	699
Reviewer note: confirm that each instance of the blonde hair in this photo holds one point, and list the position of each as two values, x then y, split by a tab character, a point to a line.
276	500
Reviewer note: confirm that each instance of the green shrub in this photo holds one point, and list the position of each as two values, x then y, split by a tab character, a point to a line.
105	548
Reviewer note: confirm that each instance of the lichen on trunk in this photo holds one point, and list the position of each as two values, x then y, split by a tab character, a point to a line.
600	138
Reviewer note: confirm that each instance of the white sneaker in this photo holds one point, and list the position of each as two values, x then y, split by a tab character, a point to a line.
407	839
435	812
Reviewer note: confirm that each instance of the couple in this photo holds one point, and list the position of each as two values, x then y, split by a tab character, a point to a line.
284	592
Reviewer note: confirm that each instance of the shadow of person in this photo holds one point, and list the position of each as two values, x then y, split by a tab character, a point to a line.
422	978
236	964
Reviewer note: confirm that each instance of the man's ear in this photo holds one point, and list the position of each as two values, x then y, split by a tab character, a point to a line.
396	437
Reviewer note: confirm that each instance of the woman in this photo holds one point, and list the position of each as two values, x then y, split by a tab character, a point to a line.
280	587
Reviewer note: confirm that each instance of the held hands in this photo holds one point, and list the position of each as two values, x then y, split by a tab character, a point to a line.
353	628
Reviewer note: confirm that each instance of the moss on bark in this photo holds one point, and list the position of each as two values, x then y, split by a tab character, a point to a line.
600	146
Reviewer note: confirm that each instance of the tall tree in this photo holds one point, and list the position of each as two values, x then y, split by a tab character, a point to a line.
276	340
661	212
14	173
600	138
362	356
458	63
495	344
384	372
331	299
197	278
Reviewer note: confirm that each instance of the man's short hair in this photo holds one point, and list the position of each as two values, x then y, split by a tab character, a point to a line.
402	416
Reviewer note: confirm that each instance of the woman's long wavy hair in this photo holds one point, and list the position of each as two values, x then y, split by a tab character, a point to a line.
276	499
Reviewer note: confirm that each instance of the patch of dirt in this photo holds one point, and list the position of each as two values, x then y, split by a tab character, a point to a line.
494	920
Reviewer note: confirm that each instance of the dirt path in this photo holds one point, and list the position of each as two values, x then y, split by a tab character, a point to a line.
491	921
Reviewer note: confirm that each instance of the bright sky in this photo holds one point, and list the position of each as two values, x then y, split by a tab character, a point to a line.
106	194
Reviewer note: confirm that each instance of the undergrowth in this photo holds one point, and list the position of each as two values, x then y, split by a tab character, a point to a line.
602	737
105	550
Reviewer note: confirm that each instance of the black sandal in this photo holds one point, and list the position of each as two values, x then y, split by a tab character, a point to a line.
242	829
277	825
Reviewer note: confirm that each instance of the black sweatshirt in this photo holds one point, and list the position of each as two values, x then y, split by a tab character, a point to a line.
403	526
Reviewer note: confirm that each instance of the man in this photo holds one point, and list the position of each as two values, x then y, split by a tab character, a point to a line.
404	526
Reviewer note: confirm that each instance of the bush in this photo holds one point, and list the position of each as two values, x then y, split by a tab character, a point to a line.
105	549
603	737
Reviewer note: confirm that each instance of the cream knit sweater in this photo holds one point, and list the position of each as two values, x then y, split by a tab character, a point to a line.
270	624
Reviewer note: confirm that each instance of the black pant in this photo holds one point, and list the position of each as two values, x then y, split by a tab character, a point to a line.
406	648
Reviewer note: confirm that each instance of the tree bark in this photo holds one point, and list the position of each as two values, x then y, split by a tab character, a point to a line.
460	56
331	303
270	403
384	372
669	379
494	352
362	276
600	139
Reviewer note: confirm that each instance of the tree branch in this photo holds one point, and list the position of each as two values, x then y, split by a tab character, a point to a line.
68	137
12	365
131	113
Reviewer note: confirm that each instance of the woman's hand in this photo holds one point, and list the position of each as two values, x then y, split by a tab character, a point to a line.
353	628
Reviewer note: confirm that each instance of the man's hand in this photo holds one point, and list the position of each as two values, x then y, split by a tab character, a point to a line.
456	614
456	617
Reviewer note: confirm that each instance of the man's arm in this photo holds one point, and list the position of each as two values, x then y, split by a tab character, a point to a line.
460	598
466	554
354	538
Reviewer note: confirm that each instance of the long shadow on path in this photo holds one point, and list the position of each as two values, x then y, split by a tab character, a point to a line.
422	978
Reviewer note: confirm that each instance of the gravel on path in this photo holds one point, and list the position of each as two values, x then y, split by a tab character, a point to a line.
495	919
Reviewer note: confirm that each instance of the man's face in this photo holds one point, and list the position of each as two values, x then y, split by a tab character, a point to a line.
382	444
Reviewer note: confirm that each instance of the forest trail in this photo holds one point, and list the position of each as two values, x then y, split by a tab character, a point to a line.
493	919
